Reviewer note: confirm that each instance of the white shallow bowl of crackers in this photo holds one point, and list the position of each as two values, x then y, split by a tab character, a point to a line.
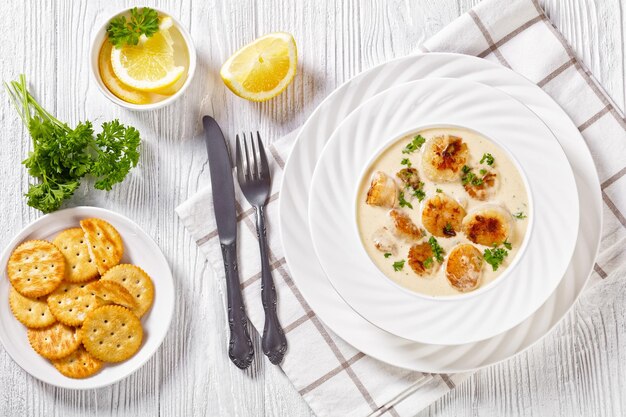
86	298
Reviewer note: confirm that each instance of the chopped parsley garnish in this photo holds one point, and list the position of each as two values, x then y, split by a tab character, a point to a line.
507	244
439	190
495	257
519	215
398	265
487	158
482	171
419	194
428	262
387	255
437	250
469	177
406	161
403	202
414	145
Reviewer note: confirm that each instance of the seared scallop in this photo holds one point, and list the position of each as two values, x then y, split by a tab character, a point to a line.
488	225
444	158
403	227
464	267
410	177
421	259
383	191
442	216
384	241
483	185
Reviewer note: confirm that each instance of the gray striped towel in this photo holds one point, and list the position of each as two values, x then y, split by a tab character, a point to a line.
346	382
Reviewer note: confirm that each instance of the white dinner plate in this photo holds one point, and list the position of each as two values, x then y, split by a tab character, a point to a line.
139	249
316	288
532	275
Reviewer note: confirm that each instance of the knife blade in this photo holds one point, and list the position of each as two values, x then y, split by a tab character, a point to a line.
240	348
221	169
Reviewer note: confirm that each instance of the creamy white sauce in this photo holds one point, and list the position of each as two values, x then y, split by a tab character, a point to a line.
510	194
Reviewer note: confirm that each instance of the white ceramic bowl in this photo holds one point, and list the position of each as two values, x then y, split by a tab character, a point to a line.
139	249
94	51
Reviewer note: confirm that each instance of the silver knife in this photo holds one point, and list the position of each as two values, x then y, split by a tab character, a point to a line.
240	349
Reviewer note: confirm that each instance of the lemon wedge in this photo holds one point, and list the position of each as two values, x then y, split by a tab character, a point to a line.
148	66
262	69
114	85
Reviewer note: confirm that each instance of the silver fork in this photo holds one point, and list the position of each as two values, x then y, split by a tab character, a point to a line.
253	175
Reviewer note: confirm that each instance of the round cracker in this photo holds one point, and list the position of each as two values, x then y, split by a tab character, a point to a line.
72	306
104	243
112	333
31	312
137	282
78	263
65	286
112	292
79	364
54	342
36	268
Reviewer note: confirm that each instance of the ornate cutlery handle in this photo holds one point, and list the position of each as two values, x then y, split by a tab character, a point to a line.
240	348
273	342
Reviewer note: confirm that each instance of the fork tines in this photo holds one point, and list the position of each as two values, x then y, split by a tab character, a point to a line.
252	162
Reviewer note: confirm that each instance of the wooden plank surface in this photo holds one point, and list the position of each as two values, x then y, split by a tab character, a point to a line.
577	370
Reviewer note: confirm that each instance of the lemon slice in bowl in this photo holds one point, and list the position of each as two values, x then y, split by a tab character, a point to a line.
113	83
148	66
262	69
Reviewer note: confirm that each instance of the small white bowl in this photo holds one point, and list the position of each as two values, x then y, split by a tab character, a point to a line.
94	51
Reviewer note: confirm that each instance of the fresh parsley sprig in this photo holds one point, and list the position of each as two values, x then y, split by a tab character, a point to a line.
62	156
414	145
469	177
519	215
487	158
437	250
398	265
403	202
495	257
127	32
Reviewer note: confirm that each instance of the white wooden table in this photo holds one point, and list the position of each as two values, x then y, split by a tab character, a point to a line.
578	370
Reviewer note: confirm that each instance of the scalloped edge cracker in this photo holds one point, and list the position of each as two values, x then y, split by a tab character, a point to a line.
112	333
36	268
54	342
78	364
137	282
104	243
79	265
32	313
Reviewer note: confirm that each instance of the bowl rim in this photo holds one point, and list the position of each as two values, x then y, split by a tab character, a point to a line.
530	215
94	50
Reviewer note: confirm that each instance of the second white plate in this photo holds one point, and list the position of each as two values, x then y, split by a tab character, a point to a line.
314	285
487	311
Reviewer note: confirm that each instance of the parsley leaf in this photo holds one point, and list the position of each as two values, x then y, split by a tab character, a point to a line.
437	250
398	265
487	158
387	255
403	202
469	177
414	145
127	32
439	190
482	171
428	262
419	194
495	257
507	244
406	161
520	215
62	156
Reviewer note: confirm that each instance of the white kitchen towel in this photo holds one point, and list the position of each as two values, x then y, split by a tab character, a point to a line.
344	381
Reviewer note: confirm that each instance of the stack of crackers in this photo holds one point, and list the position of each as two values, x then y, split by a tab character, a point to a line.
80	305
